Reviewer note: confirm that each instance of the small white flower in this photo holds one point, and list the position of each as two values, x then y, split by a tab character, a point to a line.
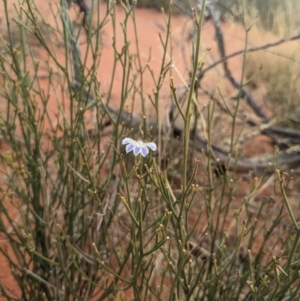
138	147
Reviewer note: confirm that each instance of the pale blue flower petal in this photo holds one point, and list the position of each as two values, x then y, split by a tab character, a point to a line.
144	150
151	145
128	141
137	150
129	148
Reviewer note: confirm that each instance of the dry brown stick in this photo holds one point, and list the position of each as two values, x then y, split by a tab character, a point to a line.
251	49
245	92
224	58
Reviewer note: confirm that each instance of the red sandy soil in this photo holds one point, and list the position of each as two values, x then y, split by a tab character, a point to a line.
149	25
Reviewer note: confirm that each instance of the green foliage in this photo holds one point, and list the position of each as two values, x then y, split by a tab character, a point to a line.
83	219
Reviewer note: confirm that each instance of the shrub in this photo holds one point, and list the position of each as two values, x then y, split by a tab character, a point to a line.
83	217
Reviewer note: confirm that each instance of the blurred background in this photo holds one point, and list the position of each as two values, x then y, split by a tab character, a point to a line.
277	16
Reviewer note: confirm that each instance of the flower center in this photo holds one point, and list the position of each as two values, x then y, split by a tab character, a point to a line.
140	143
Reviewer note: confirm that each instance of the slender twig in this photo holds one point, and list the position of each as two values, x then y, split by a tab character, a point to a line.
41	280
